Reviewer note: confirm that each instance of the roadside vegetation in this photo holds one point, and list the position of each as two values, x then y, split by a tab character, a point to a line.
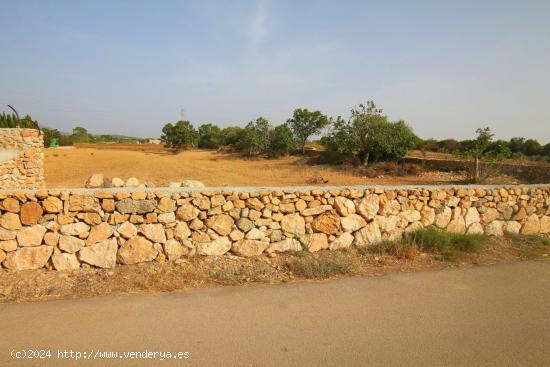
531	247
449	246
426	249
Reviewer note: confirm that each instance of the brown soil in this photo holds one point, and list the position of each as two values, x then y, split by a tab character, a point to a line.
158	166
454	157
197	272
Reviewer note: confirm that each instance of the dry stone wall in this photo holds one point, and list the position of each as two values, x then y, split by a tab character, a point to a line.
26	169
66	229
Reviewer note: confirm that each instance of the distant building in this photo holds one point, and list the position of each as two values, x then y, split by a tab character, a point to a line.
154	141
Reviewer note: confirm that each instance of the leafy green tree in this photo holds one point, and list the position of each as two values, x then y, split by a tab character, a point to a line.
305	123
448	146
210	136
369	136
50	134
546	150
280	141
10	121
81	135
427	145
483	149
230	135
28	123
531	147
391	141
180	136
516	144
254	138
499	150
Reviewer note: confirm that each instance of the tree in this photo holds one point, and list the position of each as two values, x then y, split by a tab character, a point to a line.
483	148
81	135
391	141
254	138
369	136
427	145
516	144
280	141
209	136
448	146
230	135
7	120
180	136
531	147
304	124
10	121
50	134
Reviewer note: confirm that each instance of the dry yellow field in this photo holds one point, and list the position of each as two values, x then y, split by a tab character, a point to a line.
156	166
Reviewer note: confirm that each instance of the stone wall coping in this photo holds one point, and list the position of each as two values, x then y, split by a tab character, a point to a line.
169	190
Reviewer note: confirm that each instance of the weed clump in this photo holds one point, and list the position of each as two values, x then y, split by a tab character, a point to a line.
321	266
451	246
531	246
399	249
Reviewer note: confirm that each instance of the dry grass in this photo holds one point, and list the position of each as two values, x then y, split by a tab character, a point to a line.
197	272
158	166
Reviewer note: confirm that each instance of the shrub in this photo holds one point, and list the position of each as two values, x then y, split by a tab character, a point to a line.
209	136
399	249
230	135
280	141
254	138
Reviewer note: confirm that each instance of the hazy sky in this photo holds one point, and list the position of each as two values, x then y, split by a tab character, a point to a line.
129	67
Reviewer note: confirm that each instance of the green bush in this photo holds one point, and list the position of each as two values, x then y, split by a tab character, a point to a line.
368	136
230	135
254	138
182	135
209	136
280	141
10	120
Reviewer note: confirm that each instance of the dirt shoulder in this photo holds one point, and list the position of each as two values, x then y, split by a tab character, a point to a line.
201	272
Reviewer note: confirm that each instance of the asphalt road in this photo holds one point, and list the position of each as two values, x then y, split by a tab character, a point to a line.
485	316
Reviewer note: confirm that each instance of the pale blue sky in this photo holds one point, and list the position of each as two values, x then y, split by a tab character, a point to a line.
129	67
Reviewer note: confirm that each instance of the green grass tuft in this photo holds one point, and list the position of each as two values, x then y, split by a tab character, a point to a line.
451	246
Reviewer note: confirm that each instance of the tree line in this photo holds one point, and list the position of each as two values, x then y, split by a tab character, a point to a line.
515	148
366	136
10	121
80	135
